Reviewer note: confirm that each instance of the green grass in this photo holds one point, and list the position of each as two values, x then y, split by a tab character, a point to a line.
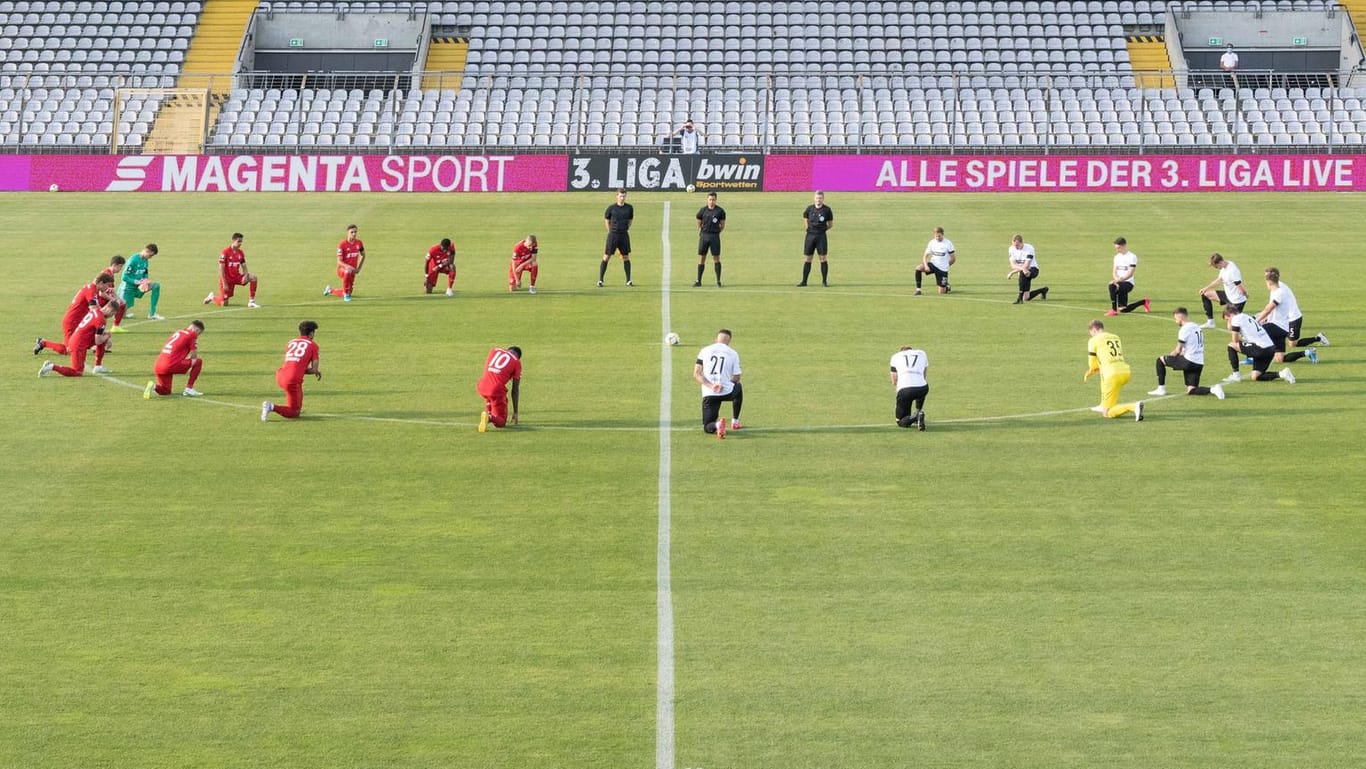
1025	585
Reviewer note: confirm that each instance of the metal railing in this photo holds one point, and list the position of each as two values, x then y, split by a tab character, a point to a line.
806	110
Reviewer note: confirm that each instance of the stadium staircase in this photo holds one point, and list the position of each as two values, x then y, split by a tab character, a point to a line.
180	124
1357	10
1148	54
446	55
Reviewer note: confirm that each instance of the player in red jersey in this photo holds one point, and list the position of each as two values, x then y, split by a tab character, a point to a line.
90	332
178	356
502	365
350	258
301	357
441	258
523	260
114	270
92	295
232	272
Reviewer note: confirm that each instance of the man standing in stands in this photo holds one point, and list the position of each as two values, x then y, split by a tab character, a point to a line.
689	139
819	219
617	221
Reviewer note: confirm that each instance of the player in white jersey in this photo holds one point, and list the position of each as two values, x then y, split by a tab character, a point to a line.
1188	357
1122	271
908	377
718	371
1024	265
1232	291
938	258
1282	320
1250	339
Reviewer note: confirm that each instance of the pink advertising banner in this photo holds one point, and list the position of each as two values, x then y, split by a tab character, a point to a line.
285	173
1066	173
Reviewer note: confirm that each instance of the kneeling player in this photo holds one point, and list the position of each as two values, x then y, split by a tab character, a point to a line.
524	256
1250	339
1188	357
301	357
232	272
502	366
440	259
91	296
90	332
908	377
179	355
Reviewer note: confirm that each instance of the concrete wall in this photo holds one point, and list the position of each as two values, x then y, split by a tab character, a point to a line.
1265	41
325	31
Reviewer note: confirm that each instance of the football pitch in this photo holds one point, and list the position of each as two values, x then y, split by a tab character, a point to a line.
1025	584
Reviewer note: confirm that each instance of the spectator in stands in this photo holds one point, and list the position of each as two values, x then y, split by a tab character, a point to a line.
1229	63
689	139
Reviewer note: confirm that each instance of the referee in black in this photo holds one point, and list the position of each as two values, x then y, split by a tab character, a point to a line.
711	219
819	220
617	220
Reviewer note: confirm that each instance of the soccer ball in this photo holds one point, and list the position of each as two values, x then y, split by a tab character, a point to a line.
692	188
672	338
53	188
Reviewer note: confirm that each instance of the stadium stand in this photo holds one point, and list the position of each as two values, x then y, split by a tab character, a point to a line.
548	74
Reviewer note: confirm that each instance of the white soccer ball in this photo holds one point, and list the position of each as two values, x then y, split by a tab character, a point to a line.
692	188
672	338
53	188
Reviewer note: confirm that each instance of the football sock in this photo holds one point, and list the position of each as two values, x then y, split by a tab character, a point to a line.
1199	391
535	270
1209	307
1291	356
602	270
716	267
626	265
252	290
99	354
1267	376
1131	306
739	401
700	269
195	368
1233	356
825	271
156	296
806	271
1037	292
918	275
1161	373
1306	341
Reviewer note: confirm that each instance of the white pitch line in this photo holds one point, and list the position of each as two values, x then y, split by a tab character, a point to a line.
664	601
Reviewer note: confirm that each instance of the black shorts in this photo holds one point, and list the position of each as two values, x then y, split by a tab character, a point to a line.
816	243
709	242
910	399
1190	371
1223	299
1294	333
1261	356
711	404
618	241
1278	336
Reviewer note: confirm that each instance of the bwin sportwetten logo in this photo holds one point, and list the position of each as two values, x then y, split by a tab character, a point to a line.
742	173
130	174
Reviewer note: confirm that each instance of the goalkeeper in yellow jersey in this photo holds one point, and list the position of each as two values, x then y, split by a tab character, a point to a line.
1105	354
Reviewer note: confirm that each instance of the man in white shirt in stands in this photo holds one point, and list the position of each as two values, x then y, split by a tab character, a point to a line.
689	139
